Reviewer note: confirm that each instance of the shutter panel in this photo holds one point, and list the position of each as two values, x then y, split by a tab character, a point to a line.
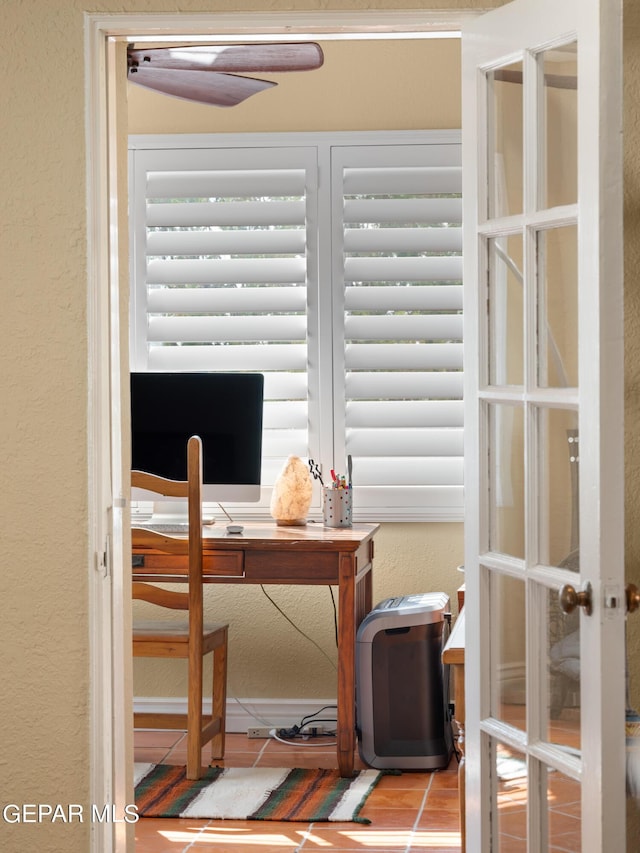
222	264
231	237
399	282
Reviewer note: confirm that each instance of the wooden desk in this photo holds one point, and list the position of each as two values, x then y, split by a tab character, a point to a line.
453	654
314	554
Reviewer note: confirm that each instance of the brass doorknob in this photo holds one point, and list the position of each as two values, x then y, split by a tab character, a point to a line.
633	597
570	598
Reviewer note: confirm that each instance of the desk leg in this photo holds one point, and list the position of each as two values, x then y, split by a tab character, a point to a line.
346	664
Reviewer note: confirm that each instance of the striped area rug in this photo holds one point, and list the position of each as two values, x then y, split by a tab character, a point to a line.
252	793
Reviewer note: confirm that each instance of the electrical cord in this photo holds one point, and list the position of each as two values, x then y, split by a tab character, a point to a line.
252	714
304	744
307	722
300	731
224	511
335	615
314	717
315	722
299	630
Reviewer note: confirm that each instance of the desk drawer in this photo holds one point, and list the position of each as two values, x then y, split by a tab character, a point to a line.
218	563
290	565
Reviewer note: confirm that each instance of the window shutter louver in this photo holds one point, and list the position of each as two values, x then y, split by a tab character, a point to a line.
398	230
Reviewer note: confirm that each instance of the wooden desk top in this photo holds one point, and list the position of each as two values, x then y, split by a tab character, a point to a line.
454	648
264	534
312	536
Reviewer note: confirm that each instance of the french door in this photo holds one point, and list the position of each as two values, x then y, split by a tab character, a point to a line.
543	427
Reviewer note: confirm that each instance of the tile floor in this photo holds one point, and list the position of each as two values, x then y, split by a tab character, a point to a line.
417	811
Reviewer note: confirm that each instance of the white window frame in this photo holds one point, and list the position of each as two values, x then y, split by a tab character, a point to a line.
327	442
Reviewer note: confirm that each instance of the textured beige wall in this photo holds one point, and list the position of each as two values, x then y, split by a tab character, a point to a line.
43	433
44	656
267	657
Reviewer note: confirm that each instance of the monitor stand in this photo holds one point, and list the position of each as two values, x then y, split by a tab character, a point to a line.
165	512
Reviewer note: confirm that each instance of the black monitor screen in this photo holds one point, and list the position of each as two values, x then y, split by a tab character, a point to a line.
224	409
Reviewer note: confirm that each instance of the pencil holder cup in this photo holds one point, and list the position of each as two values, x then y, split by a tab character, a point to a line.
337	507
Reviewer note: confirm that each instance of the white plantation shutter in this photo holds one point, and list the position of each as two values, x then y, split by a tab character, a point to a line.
332	267
398	281
222	265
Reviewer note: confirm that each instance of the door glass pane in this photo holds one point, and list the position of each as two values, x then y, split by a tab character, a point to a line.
563	676
506	335
558	462
508	649
505	149
557	276
506	479
564	813
511	795
560	69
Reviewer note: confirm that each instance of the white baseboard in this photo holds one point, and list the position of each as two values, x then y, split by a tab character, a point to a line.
244	713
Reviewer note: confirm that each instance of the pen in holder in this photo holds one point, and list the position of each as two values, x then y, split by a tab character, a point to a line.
337	506
337	499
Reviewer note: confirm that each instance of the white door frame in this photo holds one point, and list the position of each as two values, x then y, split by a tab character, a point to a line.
110	686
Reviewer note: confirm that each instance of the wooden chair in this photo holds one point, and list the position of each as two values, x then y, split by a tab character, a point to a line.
191	640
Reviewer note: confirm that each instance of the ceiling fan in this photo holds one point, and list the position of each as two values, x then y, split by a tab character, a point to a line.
213	74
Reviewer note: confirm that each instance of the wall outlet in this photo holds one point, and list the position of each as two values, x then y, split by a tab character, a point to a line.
259	731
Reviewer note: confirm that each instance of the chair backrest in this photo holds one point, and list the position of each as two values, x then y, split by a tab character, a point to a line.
191	546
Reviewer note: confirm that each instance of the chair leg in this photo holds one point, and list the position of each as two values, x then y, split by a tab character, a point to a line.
219	697
194	718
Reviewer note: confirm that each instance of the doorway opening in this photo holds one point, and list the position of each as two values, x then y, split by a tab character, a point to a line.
105	42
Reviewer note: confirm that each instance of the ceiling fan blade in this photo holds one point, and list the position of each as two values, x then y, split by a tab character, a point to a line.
302	56
220	90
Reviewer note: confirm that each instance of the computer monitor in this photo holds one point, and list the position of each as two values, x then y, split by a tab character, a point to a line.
224	409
